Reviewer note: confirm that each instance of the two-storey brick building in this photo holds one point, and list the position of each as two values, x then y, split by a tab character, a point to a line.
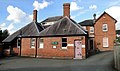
102	32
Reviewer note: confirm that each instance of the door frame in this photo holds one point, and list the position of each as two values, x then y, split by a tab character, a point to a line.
75	46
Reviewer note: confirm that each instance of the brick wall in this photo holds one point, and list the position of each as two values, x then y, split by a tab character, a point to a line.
88	29
16	50
48	51
26	49
99	34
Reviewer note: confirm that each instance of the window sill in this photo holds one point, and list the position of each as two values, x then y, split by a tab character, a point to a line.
106	47
40	48
64	48
91	32
32	47
105	30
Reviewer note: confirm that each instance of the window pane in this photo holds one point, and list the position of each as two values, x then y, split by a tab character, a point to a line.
41	40
18	42
105	42
64	44
91	29
84	27
105	27
41	45
64	39
32	42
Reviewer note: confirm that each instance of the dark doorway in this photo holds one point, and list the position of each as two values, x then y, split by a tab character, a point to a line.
91	44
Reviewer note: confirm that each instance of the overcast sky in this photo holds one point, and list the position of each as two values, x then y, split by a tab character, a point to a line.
15	14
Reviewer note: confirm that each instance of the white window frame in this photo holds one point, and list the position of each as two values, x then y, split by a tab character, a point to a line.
91	29
32	43
41	44
18	43
105	42
105	26
49	23
64	42
84	27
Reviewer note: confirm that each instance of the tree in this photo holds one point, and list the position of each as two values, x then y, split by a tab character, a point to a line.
3	35
0	35
118	39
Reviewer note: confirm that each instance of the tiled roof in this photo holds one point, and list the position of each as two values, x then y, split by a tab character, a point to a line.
87	23
108	15
51	19
32	29
91	22
64	26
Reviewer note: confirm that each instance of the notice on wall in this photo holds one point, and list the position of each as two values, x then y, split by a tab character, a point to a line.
83	46
70	45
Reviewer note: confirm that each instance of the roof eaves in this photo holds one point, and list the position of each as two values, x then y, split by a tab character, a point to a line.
10	36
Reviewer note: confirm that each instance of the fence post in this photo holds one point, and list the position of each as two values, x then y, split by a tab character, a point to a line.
117	57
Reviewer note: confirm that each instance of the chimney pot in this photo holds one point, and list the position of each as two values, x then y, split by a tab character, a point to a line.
94	15
35	15
66	9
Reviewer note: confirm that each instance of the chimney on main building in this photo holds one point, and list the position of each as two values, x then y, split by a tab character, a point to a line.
66	9
35	15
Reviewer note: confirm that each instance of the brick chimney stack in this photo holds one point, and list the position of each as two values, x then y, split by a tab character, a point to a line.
35	15
66	9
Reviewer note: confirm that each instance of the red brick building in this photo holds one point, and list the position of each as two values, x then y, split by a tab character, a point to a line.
62	37
56	41
55	37
102	32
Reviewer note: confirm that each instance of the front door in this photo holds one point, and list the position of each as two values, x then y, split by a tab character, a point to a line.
78	49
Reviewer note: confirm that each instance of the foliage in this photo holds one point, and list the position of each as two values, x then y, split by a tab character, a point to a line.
3	34
118	39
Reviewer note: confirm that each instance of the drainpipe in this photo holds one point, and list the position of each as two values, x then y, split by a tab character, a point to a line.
20	45
20	36
36	48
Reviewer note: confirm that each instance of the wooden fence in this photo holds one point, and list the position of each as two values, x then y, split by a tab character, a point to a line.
117	57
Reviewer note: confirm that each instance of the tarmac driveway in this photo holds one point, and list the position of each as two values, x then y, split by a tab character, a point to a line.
98	62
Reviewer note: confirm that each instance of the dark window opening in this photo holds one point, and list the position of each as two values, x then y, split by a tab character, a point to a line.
64	42
64	39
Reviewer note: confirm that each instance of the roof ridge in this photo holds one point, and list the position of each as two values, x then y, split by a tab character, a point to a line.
55	16
36	26
76	25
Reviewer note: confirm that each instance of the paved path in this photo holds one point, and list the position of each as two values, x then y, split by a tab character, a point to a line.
98	62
